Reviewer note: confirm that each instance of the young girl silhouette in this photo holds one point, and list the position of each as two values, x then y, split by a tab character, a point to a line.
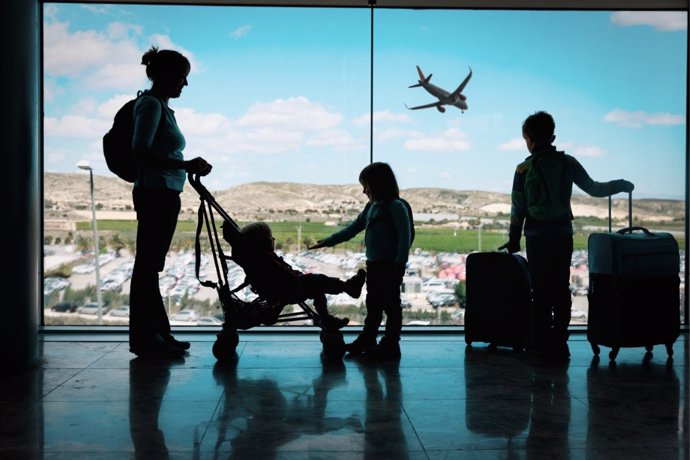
387	224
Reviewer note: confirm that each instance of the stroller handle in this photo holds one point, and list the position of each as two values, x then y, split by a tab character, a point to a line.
231	230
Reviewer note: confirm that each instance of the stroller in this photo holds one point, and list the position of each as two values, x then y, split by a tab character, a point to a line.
238	313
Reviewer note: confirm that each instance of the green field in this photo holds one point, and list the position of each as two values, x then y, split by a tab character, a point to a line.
430	238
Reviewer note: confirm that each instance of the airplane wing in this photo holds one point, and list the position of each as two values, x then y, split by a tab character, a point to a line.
462	85
425	106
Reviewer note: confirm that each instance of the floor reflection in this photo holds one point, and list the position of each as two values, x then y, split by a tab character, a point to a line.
383	432
548	435
148	380
90	400
258	416
498	399
636	408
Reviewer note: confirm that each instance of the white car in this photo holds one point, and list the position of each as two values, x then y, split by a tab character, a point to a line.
185	315
122	311
91	308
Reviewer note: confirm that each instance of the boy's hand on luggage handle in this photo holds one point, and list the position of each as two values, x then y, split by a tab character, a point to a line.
511	247
628	186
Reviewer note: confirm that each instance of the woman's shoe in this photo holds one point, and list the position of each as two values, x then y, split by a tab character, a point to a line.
170	340
157	349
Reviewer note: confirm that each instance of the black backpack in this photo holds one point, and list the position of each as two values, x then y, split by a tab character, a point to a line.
117	143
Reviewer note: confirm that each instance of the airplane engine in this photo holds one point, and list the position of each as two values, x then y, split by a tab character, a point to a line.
441	108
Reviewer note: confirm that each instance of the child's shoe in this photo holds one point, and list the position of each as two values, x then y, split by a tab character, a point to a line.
385	350
353	286
360	346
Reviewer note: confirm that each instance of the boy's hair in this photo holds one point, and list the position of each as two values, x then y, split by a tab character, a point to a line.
258	235
539	127
380	180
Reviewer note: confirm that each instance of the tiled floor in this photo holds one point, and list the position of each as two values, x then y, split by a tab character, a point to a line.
93	400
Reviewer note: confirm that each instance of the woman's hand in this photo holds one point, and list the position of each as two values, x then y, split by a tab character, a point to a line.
198	166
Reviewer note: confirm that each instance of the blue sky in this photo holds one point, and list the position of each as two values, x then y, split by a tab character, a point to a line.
282	94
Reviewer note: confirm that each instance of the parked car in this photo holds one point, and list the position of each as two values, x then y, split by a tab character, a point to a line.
122	311
431	296
209	321
444	300
434	284
185	315
54	283
91	308
64	307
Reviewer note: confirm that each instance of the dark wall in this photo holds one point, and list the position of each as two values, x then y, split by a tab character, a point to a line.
21	187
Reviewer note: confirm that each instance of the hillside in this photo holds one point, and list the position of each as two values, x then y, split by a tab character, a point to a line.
67	198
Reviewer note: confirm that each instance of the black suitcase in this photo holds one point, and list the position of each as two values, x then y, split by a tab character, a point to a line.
498	300
634	289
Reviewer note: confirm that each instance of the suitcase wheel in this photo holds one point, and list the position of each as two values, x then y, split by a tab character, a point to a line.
613	353
595	349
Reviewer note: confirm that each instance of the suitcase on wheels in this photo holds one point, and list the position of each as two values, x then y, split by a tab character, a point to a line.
498	300
634	289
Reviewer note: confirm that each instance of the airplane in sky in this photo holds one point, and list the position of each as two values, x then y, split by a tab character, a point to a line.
456	98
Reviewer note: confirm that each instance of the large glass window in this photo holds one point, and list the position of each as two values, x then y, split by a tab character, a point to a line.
615	82
279	102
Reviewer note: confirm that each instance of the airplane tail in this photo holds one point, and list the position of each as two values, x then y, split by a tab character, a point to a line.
422	80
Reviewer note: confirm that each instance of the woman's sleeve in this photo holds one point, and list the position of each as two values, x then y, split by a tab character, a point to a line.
147	116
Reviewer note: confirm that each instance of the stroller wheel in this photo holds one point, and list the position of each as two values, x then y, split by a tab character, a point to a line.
333	344
225	345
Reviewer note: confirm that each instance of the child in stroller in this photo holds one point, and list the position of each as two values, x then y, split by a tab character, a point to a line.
273	279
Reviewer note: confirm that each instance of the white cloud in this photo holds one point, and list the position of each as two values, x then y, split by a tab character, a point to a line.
241	32
74	126
296	112
666	21
102	59
71	54
591	151
451	140
638	118
516	143
339	139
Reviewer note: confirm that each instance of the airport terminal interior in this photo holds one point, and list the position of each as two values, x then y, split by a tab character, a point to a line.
89	398
82	395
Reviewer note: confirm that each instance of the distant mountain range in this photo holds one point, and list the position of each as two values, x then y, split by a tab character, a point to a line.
67	197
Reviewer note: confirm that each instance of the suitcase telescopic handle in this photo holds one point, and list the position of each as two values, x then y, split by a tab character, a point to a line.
634	229
630	225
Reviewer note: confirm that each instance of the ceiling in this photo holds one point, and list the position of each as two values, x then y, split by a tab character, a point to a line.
432	4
